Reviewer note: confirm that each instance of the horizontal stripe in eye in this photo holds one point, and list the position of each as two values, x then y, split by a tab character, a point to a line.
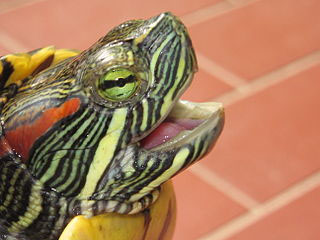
120	82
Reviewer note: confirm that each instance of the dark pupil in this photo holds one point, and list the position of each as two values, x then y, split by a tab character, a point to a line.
119	82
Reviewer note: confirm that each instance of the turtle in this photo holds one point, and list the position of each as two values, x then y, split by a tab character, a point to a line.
91	139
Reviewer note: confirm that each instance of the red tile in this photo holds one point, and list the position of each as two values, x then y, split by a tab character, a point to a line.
205	87
253	40
297	221
201	208
271	139
77	24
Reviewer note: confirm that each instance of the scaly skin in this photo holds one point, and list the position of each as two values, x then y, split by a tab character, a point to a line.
71	131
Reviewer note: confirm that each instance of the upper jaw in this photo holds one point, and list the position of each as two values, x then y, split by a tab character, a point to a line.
211	113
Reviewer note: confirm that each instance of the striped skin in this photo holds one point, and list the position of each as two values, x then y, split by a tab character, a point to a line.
66	150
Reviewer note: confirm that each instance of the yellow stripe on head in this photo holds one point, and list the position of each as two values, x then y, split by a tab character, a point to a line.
104	152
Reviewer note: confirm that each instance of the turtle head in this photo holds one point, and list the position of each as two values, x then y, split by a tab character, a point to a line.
136	74
107	126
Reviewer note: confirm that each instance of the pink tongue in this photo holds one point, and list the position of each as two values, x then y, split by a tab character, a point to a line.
167	130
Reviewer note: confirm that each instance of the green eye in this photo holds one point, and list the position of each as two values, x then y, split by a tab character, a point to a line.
118	84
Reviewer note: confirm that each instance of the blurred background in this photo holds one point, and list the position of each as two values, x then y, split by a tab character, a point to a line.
261	58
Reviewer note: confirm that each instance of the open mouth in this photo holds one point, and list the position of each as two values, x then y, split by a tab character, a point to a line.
186	121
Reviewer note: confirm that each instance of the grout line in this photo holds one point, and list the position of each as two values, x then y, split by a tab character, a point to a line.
212	11
8	6
11	44
241	2
270	79
223	186
216	70
283	199
206	13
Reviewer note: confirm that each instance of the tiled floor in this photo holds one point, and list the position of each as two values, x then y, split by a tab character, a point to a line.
261	58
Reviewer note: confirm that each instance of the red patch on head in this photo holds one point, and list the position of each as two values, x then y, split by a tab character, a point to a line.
23	137
4	147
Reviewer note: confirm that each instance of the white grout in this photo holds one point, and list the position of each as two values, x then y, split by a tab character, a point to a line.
259	212
270	79
221	73
212	11
241	2
206	13
223	186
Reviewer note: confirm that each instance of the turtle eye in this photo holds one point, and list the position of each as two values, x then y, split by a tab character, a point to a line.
118	84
